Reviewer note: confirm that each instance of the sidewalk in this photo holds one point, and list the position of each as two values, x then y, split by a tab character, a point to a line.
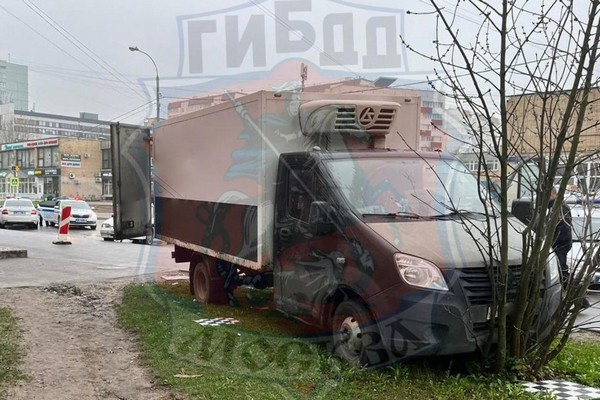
102	207
10	252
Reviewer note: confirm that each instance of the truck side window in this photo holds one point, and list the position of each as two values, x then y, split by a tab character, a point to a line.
301	195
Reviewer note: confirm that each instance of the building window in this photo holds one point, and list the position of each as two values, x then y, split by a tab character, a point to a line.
48	156
472	166
106	159
107	188
7	159
26	158
26	186
493	165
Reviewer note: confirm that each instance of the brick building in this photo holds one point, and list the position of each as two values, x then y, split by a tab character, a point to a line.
526	119
54	166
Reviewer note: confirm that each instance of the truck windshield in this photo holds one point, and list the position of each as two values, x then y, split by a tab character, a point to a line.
406	186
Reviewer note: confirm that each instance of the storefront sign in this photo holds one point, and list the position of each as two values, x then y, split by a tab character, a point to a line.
29	145
70	164
45	172
70	157
70	160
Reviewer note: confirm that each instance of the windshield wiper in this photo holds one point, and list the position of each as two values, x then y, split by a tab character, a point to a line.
459	213
399	214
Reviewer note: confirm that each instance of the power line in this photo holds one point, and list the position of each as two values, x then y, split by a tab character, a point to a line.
82	47
81	77
45	38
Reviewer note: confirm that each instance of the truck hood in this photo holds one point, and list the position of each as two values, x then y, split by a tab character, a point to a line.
448	243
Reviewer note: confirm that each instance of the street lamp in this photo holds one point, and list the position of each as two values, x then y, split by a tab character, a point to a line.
135	48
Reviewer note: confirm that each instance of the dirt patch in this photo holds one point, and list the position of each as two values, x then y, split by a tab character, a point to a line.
586	336
74	350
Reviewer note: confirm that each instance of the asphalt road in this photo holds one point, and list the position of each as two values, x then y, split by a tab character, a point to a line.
87	259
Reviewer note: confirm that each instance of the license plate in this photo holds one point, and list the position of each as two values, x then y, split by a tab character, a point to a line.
80	220
19	212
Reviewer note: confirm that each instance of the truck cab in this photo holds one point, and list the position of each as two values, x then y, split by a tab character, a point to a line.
374	243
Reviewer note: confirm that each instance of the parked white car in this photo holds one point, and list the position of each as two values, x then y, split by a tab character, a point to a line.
18	212
107	233
82	214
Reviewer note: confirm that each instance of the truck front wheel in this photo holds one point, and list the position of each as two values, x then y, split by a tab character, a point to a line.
356	338
207	284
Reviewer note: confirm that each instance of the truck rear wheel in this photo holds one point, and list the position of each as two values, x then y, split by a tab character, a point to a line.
207	284
356	338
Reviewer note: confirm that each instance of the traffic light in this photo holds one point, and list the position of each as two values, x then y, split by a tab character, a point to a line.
15	168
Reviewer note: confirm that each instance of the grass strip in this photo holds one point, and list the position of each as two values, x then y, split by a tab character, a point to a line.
10	352
268	356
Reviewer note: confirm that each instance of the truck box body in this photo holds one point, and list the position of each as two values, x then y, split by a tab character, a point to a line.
215	168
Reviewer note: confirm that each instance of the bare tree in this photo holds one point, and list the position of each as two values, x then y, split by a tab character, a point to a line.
529	65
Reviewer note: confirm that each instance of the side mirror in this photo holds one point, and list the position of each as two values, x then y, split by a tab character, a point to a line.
56	207
319	220
522	209
94	208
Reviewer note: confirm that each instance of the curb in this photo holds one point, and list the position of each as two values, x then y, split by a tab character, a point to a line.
6	252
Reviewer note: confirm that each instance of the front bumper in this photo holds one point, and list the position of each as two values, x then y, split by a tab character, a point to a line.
87	223
439	323
107	233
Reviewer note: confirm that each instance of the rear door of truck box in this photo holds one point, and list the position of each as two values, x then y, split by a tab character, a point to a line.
131	180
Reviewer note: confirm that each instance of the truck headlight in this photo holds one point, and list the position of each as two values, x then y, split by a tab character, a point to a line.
553	269
420	273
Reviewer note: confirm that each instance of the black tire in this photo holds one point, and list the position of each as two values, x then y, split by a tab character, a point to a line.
47	223
207	284
108	239
93	227
149	238
52	224
33	226
356	338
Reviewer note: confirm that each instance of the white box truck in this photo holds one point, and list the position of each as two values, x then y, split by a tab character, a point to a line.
326	199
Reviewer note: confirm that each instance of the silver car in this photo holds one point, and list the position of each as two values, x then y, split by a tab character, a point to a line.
586	237
107	233
18	212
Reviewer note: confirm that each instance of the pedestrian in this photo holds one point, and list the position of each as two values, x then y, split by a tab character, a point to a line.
563	240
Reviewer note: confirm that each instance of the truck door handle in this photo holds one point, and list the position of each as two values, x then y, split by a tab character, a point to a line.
285	234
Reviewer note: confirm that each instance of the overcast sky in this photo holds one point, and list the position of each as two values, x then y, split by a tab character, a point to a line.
78	57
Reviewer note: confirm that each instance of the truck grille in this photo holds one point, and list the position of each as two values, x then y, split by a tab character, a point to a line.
478	287
371	119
